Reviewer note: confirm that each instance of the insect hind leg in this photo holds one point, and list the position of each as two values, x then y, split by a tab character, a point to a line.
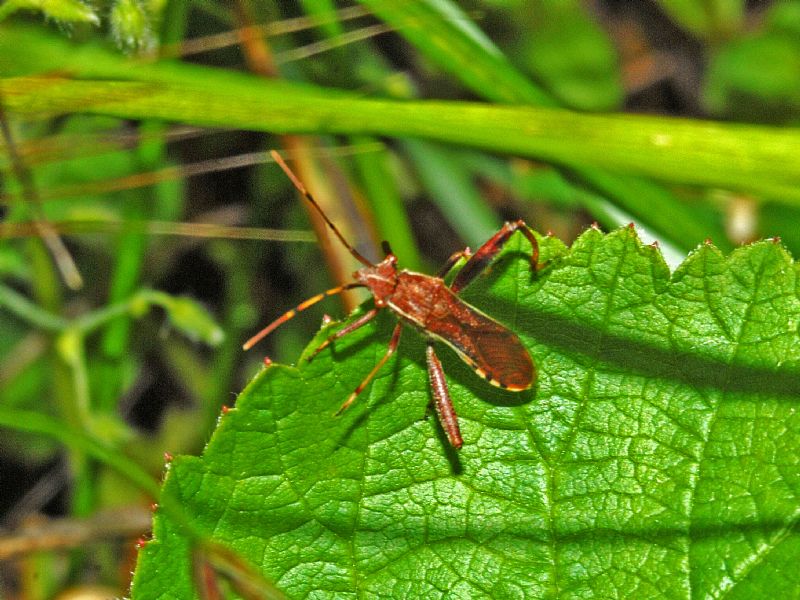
441	398
389	351
484	255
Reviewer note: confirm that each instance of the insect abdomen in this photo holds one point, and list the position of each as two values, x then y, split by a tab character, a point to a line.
493	351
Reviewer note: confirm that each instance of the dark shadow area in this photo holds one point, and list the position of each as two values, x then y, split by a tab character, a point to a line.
617	352
647	360
695	532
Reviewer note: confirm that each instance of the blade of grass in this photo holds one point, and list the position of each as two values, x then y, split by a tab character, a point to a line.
466	60
58	250
549	184
453	190
677	220
757	159
445	34
386	203
129	256
37	423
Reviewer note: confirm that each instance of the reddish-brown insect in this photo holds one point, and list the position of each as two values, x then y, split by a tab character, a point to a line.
433	308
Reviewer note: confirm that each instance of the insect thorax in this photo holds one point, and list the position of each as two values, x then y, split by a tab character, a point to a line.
381	279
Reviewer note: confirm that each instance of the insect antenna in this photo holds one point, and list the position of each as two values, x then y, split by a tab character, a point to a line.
299	308
307	195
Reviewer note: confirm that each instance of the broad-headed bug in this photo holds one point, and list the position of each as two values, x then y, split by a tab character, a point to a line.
434	309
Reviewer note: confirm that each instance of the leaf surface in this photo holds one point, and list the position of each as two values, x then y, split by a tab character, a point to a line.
657	456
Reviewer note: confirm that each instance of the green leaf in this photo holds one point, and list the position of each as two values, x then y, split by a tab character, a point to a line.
570	53
758	77
447	36
656	456
706	18
66	11
191	318
130	25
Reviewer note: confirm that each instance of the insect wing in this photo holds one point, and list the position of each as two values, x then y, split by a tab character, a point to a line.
493	351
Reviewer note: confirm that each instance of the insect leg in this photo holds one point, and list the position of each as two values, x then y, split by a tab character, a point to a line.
389	351
360	322
299	308
451	262
441	397
484	255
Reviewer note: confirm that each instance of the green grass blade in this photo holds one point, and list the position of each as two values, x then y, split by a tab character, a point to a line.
387	205
441	31
451	187
622	188
756	159
39	424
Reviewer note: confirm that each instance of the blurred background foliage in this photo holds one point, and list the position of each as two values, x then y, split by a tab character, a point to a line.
137	255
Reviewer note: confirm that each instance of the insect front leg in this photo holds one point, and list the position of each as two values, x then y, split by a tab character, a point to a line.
451	262
360	322
389	351
486	253
441	398
290	314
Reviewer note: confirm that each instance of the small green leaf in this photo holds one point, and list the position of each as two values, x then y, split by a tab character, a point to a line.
758	77
130	25
706	18
571	54
66	11
656	457
187	315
